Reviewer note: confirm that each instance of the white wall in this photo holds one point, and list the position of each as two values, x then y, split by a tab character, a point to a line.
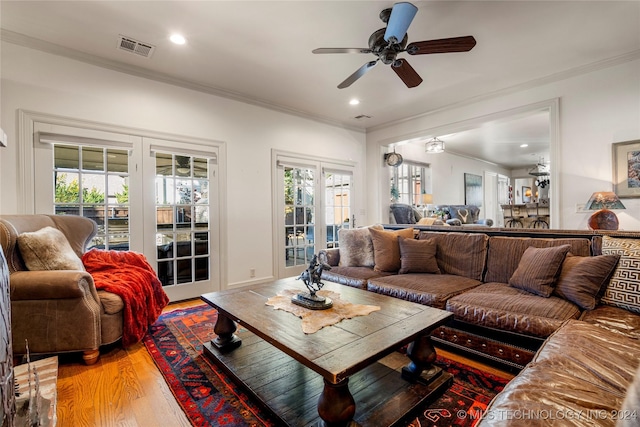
596	109
45	83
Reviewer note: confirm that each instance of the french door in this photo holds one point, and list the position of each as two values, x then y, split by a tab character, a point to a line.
157	197
181	216
313	202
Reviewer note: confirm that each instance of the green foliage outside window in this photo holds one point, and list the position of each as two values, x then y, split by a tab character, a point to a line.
69	192
123	196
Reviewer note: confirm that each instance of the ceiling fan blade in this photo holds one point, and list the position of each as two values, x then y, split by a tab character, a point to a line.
341	50
401	16
453	44
359	73
406	73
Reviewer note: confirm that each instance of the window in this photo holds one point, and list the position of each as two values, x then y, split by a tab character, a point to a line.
94	182
338	205
409	182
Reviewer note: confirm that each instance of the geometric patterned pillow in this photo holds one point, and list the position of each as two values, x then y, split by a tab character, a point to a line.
624	287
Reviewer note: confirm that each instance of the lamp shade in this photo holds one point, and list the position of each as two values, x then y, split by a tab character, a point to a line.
401	16
427	199
604	200
603	218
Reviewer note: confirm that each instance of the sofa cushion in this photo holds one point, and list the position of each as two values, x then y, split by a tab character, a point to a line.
624	287
538	269
356	277
429	289
614	319
504	253
386	250
500	306
459	254
48	249
582	278
580	370
356	248
417	256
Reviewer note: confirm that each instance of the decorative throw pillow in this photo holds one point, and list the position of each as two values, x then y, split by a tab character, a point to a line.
48	249
624	287
538	269
356	248
417	256
386	250
583	277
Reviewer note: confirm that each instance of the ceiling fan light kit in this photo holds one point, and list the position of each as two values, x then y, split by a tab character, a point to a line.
387	43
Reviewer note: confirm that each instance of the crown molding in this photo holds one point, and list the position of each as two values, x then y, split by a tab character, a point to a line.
55	49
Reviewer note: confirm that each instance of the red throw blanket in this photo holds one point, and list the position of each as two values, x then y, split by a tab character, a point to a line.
128	275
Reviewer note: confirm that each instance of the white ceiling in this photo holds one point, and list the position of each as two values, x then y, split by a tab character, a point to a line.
260	51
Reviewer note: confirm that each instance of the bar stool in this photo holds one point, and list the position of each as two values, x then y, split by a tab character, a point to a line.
512	218
533	211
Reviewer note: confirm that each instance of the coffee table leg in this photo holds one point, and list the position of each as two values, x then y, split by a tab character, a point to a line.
422	355
226	340
336	406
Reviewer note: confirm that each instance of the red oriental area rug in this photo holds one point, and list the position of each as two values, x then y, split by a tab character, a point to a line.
210	398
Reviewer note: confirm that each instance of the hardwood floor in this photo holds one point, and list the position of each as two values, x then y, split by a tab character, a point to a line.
126	389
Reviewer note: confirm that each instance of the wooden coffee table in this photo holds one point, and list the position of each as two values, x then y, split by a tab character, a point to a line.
300	377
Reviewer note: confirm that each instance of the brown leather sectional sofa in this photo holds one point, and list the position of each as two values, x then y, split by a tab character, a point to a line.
571	359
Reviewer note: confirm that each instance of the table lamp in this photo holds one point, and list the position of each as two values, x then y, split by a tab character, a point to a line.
603	218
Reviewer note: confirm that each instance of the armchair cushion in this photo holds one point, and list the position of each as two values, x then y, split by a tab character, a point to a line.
48	249
582	279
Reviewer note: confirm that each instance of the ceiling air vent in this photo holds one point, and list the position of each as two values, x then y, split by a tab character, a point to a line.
134	46
362	116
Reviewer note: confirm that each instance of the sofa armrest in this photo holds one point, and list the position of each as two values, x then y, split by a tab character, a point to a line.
454	221
488	222
330	256
51	284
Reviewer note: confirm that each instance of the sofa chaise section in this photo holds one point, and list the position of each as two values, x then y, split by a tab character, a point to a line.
579	377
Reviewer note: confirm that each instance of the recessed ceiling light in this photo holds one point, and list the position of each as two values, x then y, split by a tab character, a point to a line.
524	145
177	39
354	102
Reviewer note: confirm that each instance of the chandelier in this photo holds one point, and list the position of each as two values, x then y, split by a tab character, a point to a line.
434	146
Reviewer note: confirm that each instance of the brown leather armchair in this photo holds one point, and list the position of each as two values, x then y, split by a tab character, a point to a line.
58	311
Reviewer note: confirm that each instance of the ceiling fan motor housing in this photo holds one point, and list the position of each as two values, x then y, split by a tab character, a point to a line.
384	50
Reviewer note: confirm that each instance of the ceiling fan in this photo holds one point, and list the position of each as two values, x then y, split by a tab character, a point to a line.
387	43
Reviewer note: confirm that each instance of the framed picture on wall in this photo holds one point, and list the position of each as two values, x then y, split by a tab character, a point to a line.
472	189
526	194
626	168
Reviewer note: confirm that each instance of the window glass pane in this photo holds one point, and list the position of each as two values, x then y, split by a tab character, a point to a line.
165	272
164	164
67	187
183	191
66	157
96	213
202	243
184	270
93	188
202	216
164	217
183	244
117	160
67	210
92	159
200	168
165	191
202	268
118	189
183	216
183	166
